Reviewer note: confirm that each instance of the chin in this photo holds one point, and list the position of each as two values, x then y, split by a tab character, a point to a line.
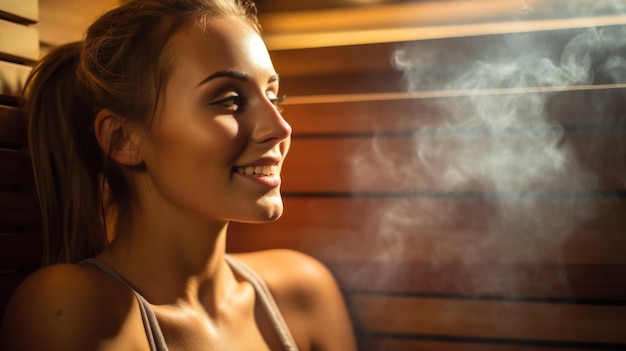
267	209
271	214
261	218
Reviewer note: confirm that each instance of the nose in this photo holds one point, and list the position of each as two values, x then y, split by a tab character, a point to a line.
270	125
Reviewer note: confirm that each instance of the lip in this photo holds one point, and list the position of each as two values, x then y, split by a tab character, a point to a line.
268	166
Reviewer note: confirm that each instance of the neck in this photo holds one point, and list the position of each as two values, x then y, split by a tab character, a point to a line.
171	259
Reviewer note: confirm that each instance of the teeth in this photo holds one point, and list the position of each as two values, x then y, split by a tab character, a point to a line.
258	170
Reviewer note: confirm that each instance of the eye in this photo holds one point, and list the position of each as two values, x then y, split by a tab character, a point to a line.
276	100
232	103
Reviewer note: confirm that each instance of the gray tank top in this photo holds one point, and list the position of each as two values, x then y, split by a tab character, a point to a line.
151	324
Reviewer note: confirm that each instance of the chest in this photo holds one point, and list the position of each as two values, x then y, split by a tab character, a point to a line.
197	332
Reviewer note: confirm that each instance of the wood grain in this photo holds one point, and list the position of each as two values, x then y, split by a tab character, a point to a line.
491	319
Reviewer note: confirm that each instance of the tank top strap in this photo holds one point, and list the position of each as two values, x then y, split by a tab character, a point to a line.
150	322
267	301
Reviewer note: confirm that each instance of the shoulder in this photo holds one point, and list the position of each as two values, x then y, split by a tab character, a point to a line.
288	272
67	307
307	295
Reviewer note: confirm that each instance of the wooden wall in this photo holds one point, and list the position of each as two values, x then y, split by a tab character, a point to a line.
430	265
20	223
425	265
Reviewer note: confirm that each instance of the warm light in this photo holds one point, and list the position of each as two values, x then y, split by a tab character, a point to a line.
408	21
416	95
409	14
389	35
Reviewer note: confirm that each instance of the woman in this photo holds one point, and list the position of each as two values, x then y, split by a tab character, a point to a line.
147	139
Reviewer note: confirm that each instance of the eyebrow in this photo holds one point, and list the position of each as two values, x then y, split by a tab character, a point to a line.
244	77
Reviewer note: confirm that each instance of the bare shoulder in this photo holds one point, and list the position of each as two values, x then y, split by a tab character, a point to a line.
307	295
289	272
66	307
297	281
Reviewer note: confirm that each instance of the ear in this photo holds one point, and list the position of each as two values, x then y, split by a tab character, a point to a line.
116	138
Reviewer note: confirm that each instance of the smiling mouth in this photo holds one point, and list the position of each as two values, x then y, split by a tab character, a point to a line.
265	170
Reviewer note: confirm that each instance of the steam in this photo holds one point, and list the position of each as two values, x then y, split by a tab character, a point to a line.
499	146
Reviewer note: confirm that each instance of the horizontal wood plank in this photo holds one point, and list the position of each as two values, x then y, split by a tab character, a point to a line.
490	319
16	170
12	78
413	343
601	108
12	128
343	83
20	251
18	202
19	210
593	283
459	161
19	40
19	221
24	10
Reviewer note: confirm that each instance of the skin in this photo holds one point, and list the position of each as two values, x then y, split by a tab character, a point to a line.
172	247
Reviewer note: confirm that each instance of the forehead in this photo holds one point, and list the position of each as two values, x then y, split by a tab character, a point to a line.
223	43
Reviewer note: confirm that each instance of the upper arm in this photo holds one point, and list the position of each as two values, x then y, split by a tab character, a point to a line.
60	308
329	320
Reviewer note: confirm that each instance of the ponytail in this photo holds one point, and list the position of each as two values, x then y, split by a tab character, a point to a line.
66	158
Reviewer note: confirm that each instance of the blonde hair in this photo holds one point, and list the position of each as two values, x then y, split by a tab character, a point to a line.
122	65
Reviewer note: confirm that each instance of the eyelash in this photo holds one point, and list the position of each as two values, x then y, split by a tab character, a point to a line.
240	102
277	101
231	100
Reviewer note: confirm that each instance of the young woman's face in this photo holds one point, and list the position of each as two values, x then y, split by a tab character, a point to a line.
218	143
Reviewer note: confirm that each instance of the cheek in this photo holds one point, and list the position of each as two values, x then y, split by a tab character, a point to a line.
226	137
226	128
205	142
